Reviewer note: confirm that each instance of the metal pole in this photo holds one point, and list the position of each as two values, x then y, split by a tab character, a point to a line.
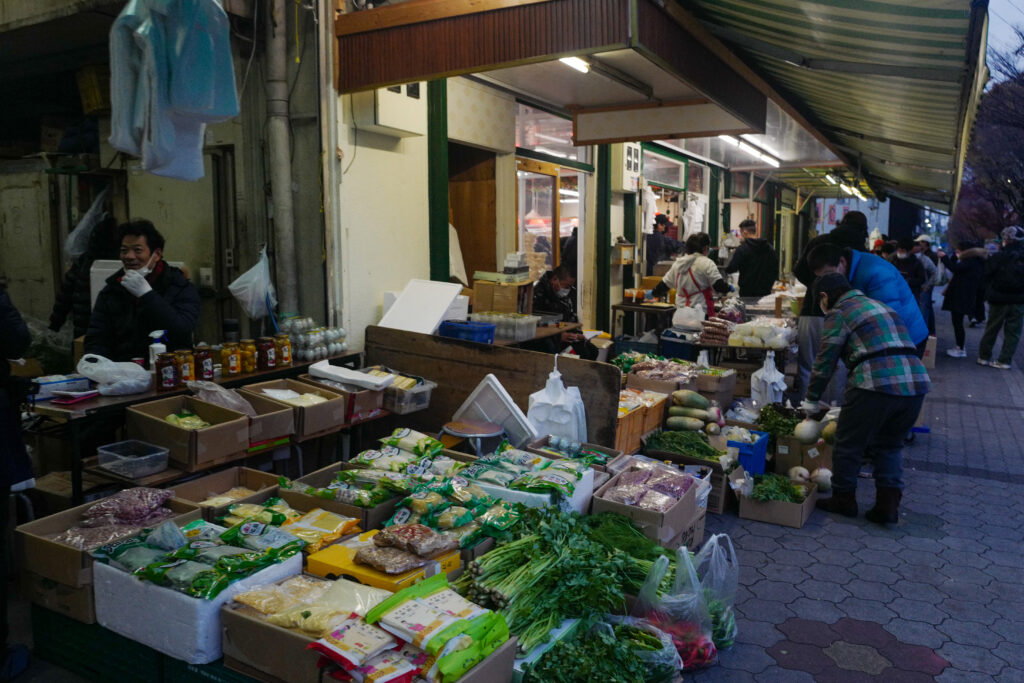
280	159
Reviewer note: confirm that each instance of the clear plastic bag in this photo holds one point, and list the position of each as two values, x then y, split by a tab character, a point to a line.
115	379
682	612
719	572
661	663
254	290
218	395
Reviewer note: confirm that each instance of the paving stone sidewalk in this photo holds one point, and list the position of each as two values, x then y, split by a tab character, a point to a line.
940	596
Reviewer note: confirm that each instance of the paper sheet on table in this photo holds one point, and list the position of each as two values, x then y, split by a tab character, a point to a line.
324	370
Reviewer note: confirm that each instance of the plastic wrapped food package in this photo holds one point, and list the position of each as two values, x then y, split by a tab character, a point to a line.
672	484
416	622
130	504
389	458
167	536
548	480
454	604
138	557
413	441
452	517
658	502
213	554
257	535
387	667
488	475
353	642
467	493
466	534
629	494
275	598
201	530
634	476
402	536
341	599
186	420
320	527
424	502
227	497
500	516
389	560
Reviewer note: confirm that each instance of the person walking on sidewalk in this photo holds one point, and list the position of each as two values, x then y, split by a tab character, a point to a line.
930	260
886	386
1005	295
966	266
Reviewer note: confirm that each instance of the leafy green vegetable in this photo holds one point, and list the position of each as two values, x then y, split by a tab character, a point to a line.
589	656
778	421
625	361
690	443
768	487
723	622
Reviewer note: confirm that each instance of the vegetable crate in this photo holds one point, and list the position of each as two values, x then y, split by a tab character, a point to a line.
720	494
693	536
629	430
468	331
752	456
654	416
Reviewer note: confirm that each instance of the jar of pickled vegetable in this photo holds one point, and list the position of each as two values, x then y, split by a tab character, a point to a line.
266	354
247	349
186	365
230	359
167	374
283	346
203	357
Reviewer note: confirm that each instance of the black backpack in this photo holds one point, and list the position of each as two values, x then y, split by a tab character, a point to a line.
1008	278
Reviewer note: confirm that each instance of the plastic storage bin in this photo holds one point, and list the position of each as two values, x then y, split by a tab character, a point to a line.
471	331
402	401
624	345
675	345
752	456
133	459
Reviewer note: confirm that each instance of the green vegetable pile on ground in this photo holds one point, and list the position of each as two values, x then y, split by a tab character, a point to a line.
590	655
778	421
693	444
555	569
768	487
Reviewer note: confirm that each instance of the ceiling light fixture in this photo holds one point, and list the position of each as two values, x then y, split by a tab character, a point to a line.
770	160
752	151
568	193
858	193
846	188
576	63
831	179
730	139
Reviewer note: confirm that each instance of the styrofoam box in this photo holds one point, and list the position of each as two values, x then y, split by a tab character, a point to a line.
176	624
579	502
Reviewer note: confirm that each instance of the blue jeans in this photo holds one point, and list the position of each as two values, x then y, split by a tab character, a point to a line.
872	425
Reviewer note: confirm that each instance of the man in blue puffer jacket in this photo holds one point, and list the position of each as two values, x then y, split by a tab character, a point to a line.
878	279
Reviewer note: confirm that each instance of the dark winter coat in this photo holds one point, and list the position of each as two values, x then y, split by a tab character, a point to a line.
912	271
121	323
73	298
758	266
962	290
1007	264
546	300
14	342
659	248
843	236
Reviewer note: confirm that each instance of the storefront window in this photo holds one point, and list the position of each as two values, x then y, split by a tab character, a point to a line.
545	133
664	171
537	185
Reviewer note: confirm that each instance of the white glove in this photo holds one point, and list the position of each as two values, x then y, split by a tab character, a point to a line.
811	407
135	282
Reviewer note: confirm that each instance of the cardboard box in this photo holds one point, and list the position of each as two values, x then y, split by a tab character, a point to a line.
629	431
369	518
539	445
265	651
322	418
359	405
790	452
173	623
501	297
273	420
338	561
744	369
660	386
693	535
929	353
719	388
226	438
56	490
76	603
63	563
196	491
776	511
661	527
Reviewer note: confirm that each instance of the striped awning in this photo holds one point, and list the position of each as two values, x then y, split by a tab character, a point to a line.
892	84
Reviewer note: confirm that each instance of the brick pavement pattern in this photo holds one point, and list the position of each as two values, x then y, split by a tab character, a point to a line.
939	596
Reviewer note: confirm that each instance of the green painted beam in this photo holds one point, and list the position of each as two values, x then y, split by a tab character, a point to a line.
630	233
437	178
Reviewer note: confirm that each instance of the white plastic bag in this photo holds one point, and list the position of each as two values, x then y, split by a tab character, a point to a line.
218	395
719	572
767	385
115	379
77	242
253	287
558	411
689	317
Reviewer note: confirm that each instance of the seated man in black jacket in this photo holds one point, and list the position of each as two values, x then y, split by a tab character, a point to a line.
148	294
756	262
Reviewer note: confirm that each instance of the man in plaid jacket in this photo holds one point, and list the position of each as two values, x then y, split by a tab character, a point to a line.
884	392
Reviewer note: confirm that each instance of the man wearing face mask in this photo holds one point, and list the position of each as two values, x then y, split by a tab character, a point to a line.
147	294
910	266
555	292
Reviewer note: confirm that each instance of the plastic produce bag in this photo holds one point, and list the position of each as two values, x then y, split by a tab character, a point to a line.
77	242
767	385
557	410
689	317
218	395
682	612
254	290
115	379
719	572
644	637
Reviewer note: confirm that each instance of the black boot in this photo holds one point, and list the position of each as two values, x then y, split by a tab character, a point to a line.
841	502
887	506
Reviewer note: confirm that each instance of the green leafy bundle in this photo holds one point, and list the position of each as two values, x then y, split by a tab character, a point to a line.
591	655
768	487
693	444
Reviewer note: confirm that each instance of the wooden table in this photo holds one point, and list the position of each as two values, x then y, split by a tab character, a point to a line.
114	406
664	312
542	333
